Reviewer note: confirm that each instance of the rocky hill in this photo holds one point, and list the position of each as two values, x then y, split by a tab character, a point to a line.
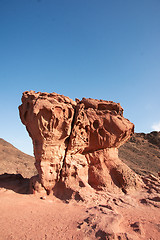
141	153
13	161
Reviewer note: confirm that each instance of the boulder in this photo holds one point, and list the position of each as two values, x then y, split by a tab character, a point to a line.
76	144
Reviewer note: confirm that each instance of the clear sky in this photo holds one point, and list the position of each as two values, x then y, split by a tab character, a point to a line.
104	49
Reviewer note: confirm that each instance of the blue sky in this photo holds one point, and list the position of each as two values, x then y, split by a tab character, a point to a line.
104	49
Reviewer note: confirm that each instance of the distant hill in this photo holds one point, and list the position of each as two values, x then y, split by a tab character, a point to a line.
141	153
14	161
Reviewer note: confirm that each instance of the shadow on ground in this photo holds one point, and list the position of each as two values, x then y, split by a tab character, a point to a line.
15	182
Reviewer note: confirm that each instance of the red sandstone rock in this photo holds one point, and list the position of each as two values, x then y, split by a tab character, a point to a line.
75	143
48	119
98	125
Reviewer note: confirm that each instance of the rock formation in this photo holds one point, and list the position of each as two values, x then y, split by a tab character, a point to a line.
76	144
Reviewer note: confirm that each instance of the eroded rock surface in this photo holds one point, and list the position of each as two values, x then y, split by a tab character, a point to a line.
76	144
48	119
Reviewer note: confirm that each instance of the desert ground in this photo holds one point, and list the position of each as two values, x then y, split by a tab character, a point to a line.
100	216
111	217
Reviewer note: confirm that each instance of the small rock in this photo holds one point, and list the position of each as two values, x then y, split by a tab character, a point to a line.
43	197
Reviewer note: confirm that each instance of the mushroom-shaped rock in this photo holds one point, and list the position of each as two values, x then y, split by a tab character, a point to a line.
75	144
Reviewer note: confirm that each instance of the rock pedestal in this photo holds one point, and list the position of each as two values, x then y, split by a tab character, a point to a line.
76	143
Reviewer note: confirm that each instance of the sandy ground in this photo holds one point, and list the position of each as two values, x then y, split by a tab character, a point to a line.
29	217
25	216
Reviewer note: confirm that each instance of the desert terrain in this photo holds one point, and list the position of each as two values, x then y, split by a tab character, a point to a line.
95	178
35	216
141	153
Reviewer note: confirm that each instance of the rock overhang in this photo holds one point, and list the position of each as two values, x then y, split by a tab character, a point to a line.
77	141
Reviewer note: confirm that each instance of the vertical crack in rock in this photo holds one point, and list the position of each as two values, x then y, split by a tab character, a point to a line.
76	144
67	143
